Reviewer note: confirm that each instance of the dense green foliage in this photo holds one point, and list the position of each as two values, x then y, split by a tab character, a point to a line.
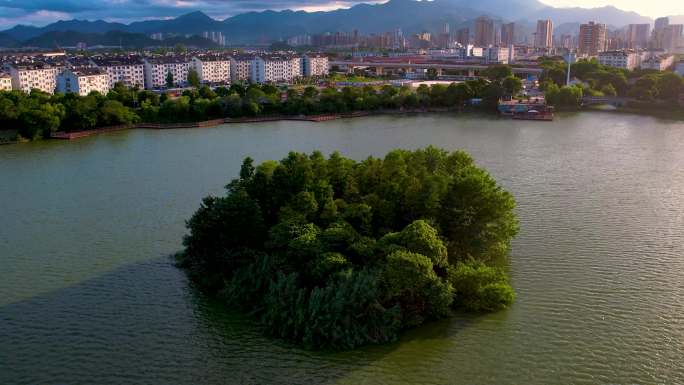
566	97
599	80
39	114
333	253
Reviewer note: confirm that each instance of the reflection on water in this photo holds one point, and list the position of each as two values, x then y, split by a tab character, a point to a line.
86	295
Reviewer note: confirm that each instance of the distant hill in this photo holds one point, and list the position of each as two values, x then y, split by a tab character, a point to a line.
607	15
566	29
409	15
6	41
22	33
191	23
112	38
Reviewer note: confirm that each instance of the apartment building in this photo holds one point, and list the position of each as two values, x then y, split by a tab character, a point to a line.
672	37
508	34
129	70
78	62
157	70
34	75
275	68
212	69
625	59
592	38
543	37
484	31
5	81
497	55
638	35
83	81
658	62
315	65
241	68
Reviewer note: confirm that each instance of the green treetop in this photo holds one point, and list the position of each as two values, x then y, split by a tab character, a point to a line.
334	253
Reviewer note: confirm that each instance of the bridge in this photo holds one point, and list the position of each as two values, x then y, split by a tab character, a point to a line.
411	66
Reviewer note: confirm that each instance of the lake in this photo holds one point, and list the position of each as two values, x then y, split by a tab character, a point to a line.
88	293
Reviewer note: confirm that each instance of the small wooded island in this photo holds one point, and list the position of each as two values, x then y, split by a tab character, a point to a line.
333	253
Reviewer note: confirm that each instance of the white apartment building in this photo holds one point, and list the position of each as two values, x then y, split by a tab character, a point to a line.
626	59
129	70
499	55
212	69
473	51
5	81
34	75
158	68
658	62
83	81
314	65
275	68
241	68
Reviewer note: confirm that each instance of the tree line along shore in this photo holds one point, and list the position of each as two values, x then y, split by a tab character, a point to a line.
645	91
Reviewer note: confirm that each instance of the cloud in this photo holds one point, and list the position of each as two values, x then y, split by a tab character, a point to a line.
42	12
48	5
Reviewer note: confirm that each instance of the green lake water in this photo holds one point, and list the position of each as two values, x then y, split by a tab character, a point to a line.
88	294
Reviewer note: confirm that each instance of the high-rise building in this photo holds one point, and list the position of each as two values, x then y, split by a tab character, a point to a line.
484	31
672	36
638	35
659	31
445	28
592	38
463	36
565	41
398	39
661	23
543	38
425	36
508	34
216	37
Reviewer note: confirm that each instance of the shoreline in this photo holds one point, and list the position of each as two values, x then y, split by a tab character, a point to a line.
60	135
256	119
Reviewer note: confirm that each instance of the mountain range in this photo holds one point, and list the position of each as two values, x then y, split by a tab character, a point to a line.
409	15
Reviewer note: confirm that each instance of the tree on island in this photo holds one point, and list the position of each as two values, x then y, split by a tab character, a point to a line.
334	253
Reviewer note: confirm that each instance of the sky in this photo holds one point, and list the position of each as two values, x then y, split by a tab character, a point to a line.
41	12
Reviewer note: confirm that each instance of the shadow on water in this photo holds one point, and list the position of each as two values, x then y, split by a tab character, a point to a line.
144	324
